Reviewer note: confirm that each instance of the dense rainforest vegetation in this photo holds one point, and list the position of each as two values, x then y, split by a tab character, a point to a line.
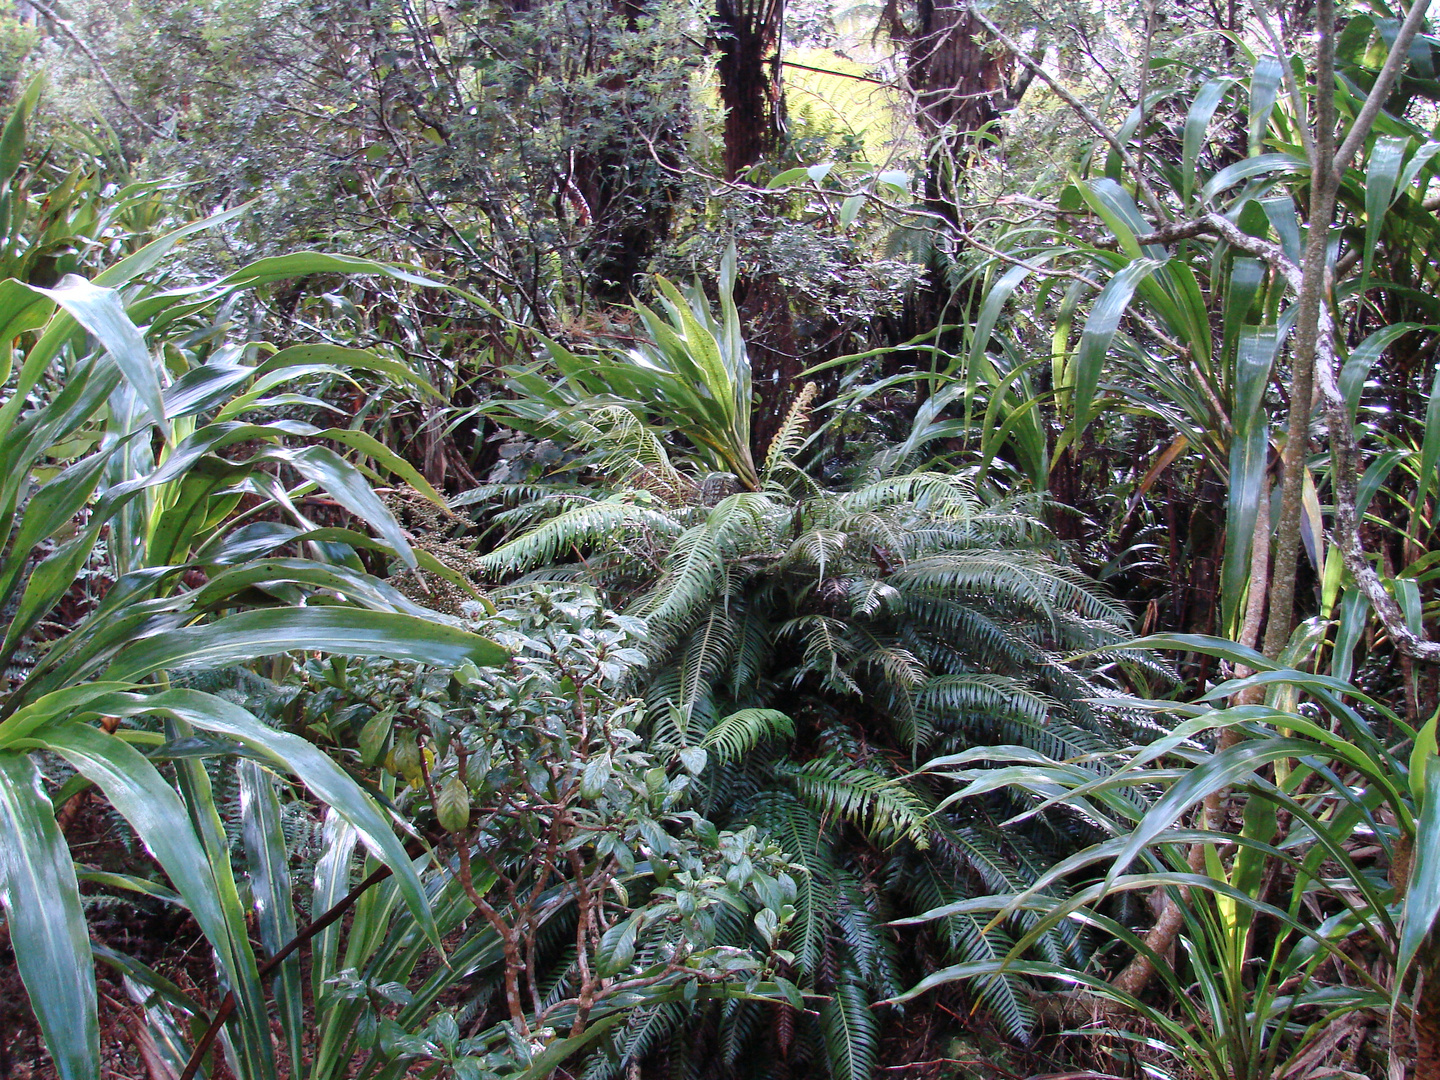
714	539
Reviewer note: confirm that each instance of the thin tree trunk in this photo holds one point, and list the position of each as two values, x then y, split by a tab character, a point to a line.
1323	186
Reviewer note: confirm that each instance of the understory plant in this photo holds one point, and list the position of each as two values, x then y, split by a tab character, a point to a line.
139	449
1295	835
569	885
808	648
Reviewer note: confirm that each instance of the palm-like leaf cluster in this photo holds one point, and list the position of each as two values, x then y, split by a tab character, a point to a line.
808	647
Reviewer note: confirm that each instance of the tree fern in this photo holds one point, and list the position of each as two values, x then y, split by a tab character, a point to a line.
813	639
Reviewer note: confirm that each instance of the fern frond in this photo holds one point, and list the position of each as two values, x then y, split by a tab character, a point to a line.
740	732
578	528
851	1032
694	570
796	828
962	695
838	788
870	946
706	655
815	548
923	490
827	650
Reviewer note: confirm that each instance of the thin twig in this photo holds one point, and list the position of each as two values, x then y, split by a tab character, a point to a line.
67	27
1081	109
227	1004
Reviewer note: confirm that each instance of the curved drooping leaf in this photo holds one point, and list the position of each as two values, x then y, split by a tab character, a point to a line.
45	920
1099	332
310	765
343	631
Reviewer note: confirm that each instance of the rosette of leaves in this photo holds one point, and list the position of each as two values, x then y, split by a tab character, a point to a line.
132	443
807	647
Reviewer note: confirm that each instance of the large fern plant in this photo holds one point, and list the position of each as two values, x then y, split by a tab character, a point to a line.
810	647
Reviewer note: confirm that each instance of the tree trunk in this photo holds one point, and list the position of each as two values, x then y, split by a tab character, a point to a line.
749	40
626	185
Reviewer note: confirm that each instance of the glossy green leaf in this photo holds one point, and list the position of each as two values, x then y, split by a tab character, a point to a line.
309	765
1419	160
101	311
1362	358
312	359
20	310
1265	83
1429	444
1276	165
338	630
1280	211
1197	121
12	138
270	887
1354	617
1386	157
1422	756
1422	897
46	924
1099	333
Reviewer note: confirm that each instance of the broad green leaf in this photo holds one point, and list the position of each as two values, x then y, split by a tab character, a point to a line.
250	1032
1422	755
1249	459
304	263
1386	155
45	921
1117	208
270	887
1280	212
1262	165
50	509
12	139
342	631
1422	896
1241	287
374	448
1418	161
311	359
310	766
1220	771
21	310
1099	333
1429	445
1197	122
343	481
1362	358
149	257
1264	91
332	882
1211	646
102	312
617	945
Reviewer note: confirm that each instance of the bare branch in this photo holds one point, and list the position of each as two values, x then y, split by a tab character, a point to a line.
67	27
1081	109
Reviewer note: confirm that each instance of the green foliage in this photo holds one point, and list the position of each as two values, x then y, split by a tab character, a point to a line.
572	850
802	643
115	433
691	375
1267	898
